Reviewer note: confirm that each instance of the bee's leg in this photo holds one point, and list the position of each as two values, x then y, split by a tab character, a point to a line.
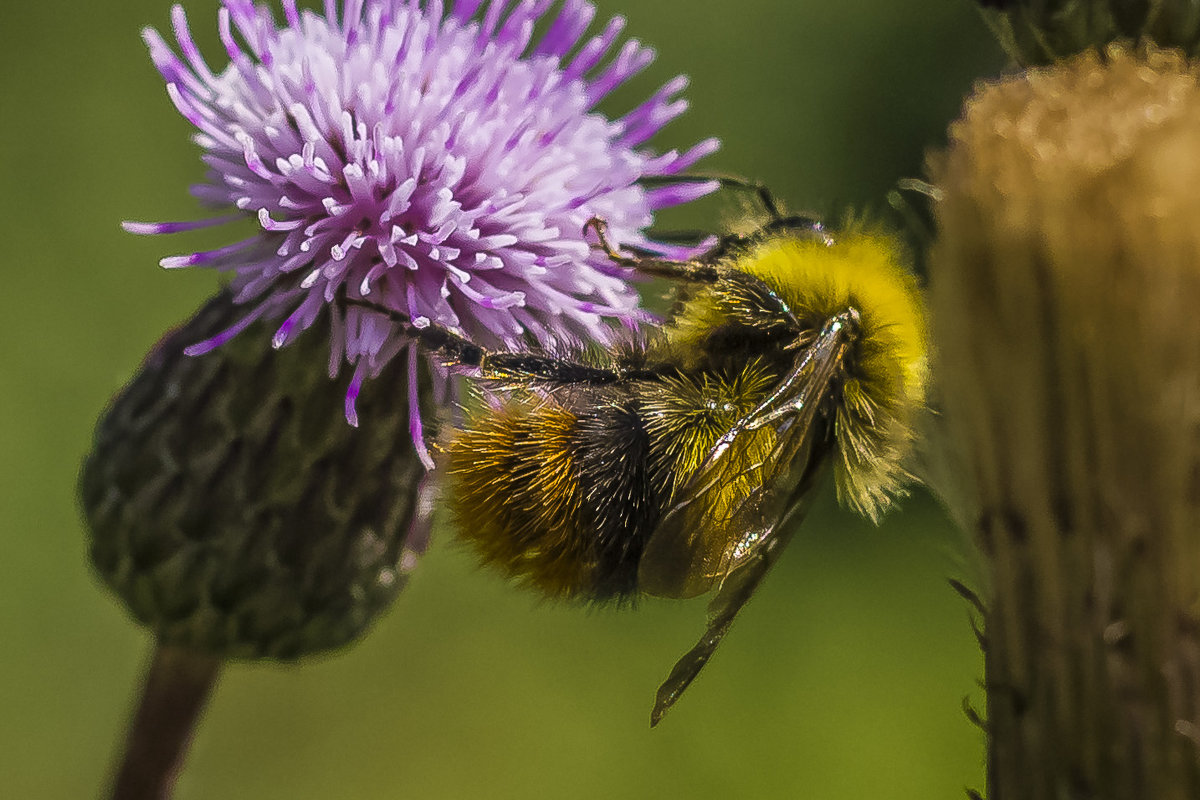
765	196
688	237
698	271
777	222
455	350
552	371
917	213
795	222
452	348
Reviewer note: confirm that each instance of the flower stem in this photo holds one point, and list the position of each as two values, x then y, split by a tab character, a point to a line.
176	686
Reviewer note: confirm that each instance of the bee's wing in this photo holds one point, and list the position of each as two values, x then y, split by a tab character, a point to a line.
773	514
697	540
732	502
757	526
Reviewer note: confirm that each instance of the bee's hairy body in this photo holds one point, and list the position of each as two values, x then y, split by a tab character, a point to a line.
565	483
681	462
565	491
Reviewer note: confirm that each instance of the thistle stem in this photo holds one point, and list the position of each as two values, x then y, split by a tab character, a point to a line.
173	694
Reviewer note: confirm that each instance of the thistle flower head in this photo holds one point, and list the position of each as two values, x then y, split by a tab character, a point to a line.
439	163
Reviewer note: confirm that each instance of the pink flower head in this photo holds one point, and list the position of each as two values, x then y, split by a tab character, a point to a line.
439	163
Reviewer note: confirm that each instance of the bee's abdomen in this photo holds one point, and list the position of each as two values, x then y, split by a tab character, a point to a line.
557	499
623	502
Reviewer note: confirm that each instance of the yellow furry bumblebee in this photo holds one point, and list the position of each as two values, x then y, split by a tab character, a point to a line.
681	463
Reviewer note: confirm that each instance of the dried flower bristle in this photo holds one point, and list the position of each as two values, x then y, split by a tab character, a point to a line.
1043	31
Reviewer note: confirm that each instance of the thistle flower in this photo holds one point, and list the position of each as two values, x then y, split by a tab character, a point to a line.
437	163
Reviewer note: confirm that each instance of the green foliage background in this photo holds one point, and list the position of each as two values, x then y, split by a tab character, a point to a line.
842	680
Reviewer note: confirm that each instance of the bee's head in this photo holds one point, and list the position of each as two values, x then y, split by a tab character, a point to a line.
857	279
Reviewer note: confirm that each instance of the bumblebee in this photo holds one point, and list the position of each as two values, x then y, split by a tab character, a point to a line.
682	463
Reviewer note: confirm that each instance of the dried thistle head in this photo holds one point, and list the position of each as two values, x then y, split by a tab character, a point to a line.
1064	285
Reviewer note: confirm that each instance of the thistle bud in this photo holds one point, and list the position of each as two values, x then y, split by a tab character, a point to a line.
1064	286
232	508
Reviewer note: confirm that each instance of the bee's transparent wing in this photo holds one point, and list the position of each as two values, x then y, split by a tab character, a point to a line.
731	502
738	545
772	515
698	540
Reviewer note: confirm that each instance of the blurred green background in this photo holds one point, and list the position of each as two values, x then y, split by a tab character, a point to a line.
842	680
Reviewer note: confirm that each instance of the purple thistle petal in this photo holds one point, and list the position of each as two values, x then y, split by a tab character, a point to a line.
646	120
465	9
225	31
527	12
431	160
208	345
290	14
678	193
183	36
155	228
352	393
567	28
591	53
208	257
169	65
416	428
491	17
631	60
698	151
